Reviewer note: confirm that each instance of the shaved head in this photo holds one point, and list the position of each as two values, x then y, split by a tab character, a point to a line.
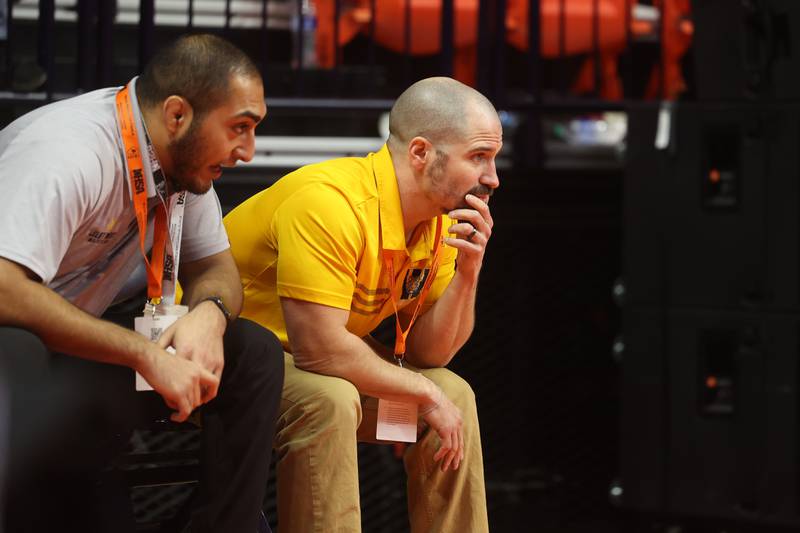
434	108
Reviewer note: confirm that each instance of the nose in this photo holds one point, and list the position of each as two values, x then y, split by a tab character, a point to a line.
490	178
246	149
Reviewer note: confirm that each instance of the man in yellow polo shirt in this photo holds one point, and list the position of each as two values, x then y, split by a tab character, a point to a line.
331	250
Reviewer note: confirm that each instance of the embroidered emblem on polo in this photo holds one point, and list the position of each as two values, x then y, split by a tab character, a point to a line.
415	280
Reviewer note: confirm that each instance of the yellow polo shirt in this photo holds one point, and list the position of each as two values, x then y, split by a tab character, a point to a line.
317	235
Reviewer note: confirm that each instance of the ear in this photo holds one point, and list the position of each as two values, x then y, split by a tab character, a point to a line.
178	114
418	150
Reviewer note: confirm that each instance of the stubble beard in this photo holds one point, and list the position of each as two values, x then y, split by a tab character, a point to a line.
185	152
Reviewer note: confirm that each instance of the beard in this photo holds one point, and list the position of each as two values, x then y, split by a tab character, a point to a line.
436	173
184	153
438	167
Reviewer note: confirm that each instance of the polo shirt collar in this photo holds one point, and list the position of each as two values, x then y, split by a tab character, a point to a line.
393	233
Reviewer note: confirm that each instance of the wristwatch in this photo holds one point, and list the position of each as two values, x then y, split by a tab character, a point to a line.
218	302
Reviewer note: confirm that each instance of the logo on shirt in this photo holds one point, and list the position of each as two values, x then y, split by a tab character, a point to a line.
97	236
100	237
415	280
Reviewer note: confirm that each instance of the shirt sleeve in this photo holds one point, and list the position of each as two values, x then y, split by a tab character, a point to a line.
45	200
319	241
203	232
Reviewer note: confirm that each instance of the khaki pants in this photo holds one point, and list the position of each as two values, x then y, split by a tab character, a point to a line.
321	418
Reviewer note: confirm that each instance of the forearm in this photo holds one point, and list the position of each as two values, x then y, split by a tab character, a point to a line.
64	328
351	358
212	286
214	276
442	331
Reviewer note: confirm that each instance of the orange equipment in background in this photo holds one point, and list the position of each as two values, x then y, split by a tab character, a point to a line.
578	38
390	29
578	23
676	37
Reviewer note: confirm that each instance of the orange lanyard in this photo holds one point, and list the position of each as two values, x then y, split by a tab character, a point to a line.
155	265
388	259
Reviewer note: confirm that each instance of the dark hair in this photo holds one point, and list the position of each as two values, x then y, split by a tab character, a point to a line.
196	67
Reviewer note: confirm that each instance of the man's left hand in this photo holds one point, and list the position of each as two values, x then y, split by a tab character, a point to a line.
472	234
197	336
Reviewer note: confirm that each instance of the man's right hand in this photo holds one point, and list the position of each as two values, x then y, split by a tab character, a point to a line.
185	385
445	420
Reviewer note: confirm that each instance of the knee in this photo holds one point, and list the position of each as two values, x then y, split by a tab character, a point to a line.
257	349
327	405
338	404
23	355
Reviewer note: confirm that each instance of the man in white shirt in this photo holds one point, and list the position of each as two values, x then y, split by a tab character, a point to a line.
89	185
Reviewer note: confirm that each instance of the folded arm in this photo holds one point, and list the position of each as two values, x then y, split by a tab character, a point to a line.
442	331
26	303
438	334
321	343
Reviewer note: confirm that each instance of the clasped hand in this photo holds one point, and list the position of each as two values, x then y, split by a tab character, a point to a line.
190	377
472	233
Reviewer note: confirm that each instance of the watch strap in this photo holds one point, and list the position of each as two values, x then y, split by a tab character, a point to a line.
216	300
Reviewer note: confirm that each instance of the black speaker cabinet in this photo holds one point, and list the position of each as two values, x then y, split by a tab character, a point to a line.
711	313
709	415
712	220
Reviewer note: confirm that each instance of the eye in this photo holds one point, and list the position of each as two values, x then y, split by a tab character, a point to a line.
479	158
241	128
